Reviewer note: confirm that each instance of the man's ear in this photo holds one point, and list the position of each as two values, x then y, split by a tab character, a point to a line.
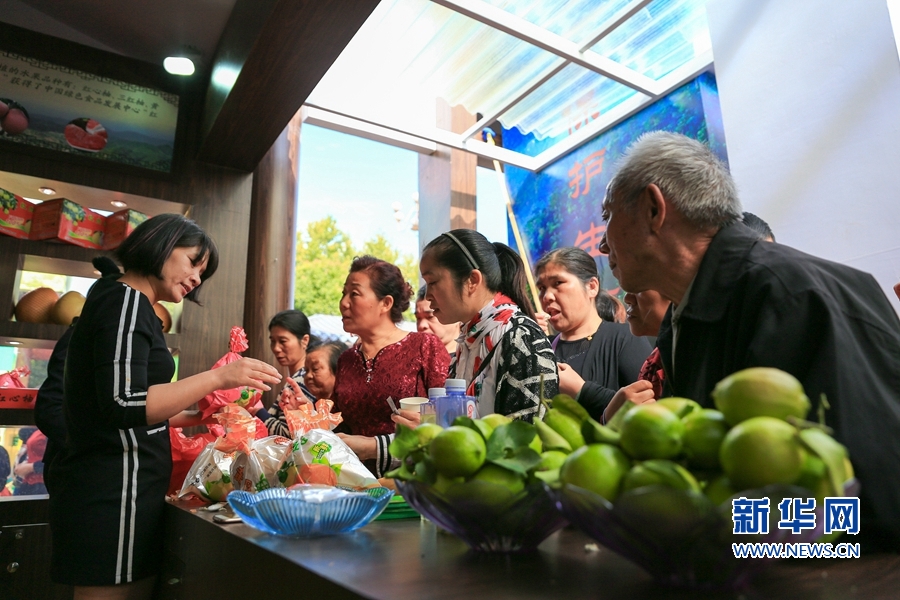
656	207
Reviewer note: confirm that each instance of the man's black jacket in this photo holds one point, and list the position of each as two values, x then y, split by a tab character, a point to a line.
831	326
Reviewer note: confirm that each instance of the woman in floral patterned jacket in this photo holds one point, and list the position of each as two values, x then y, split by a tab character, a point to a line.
502	352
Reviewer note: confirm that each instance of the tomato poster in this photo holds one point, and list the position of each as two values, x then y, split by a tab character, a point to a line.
54	107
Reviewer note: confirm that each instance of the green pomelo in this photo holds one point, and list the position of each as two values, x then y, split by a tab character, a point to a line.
760	392
457	451
427	432
598	468
651	431
566	426
761	451
659	472
704	431
551	459
682	407
719	490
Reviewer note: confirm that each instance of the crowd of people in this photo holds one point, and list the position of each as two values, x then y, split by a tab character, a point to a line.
708	294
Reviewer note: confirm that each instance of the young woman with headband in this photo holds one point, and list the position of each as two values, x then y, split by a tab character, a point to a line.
502	351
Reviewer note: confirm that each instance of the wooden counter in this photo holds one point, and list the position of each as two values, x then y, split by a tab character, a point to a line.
410	559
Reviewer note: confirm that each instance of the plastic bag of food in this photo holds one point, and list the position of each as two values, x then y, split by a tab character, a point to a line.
210	475
318	448
245	397
268	464
185	450
13	379
238	426
308	417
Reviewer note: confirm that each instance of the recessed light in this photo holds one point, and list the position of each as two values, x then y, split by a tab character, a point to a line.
13	343
49	191
118	204
179	65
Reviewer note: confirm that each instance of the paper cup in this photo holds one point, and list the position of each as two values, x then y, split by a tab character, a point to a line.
412	403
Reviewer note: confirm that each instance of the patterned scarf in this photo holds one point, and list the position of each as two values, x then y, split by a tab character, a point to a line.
479	336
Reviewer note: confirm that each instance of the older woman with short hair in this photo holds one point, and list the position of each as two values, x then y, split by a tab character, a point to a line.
386	361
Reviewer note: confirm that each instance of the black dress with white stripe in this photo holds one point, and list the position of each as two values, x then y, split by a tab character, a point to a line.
110	480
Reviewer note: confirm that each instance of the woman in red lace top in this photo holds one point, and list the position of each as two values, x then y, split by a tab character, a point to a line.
386	361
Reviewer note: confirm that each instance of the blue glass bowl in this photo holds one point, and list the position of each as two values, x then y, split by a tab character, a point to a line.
309	511
681	538
516	525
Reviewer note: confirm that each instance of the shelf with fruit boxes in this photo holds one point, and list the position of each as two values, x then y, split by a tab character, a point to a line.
18	257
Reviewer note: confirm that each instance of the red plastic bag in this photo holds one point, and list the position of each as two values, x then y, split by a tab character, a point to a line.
216	400
185	450
13	379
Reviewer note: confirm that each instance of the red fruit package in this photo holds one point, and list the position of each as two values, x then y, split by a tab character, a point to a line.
307	417
185	451
13	379
242	396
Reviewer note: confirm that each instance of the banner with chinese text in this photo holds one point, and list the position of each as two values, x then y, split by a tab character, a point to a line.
54	107
560	206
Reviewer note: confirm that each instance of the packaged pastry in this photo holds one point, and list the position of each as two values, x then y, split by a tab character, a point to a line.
318	448
243	396
269	463
309	417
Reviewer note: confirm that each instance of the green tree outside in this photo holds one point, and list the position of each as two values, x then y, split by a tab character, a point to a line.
324	254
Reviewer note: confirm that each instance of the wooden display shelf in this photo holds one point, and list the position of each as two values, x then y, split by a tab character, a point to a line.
44	335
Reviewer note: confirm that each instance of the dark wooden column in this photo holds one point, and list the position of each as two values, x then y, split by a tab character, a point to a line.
272	240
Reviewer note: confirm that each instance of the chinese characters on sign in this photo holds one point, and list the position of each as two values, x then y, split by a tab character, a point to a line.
80	113
581	173
796	514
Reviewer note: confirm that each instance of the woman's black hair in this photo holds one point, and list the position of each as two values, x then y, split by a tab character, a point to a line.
296	322
5	466
582	265
334	349
606	306
386	279
461	251
149	246
421	294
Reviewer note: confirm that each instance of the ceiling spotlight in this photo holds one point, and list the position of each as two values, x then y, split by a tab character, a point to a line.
47	190
14	343
179	65
118	204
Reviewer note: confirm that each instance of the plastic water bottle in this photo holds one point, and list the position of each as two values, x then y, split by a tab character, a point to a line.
428	410
455	403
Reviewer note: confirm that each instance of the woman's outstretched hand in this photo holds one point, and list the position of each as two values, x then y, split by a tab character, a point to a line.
247	372
292	396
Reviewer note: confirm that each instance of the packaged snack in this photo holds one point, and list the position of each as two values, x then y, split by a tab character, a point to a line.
268	464
308	417
210	475
243	397
185	450
318	447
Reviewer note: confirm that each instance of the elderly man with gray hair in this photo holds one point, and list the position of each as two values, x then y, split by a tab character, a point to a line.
674	225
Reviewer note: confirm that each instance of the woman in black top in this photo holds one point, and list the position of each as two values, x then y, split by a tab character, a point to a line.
596	357
109	481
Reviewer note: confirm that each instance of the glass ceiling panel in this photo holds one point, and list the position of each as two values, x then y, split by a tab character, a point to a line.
566	102
410	52
575	21
658	39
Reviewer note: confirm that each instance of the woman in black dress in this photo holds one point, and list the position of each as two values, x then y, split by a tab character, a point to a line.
597	358
109	481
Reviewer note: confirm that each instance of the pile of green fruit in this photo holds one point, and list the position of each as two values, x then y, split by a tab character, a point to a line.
756	437
487	461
